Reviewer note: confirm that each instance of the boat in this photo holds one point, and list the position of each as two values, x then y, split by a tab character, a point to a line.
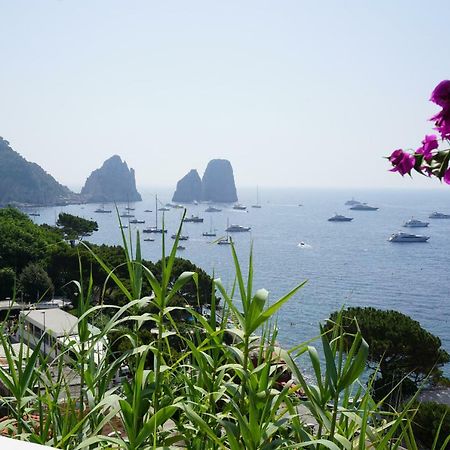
128	208
340	218
155	229
240	207
224	241
163	208
257	205
124	226
438	215
363	207
181	247
102	210
352	202
172	205
415	223
34	214
211	232
237	228
137	221
182	237
194	219
149	239
127	215
212	209
406	237
147	210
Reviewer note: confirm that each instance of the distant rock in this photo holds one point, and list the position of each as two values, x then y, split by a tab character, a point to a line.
189	188
218	182
24	182
113	182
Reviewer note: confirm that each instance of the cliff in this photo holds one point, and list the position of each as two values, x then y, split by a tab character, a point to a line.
113	182
218	182
25	182
189	188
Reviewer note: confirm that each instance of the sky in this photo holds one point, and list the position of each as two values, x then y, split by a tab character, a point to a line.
294	93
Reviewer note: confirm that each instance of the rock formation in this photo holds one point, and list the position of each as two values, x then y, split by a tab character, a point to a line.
24	182
189	188
218	182
113	182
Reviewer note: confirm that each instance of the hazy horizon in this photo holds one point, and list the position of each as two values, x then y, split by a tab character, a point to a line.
293	93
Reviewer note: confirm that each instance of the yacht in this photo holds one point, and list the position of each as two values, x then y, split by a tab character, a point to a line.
182	237
406	237
224	241
155	229
163	208
240	207
147	210
137	221
181	247
127	215
129	208
211	232
415	223
237	228
352	202
36	214
212	209
257	205
194	219
340	218
363	207
149	239
102	210
438	215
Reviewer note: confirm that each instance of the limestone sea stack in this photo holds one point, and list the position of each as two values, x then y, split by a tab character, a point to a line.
189	188
113	182
218	182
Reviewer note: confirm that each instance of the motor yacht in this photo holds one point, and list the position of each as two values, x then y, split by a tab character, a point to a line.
194	219
406	237
438	215
363	207
212	209
415	223
182	237
237	228
240	207
137	221
340	218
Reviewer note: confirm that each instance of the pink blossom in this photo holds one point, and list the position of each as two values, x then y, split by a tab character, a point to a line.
446	176
441	94
403	162
429	144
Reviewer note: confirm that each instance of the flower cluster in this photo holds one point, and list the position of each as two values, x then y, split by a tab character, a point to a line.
427	159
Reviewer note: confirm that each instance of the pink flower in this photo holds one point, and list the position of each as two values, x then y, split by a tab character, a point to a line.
446	176
442	122
441	94
403	162
429	144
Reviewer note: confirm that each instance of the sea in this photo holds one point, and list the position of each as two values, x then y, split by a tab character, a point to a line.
344	264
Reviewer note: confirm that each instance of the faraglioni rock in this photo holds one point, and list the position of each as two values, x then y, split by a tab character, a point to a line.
24	182
218	182
113	182
189	188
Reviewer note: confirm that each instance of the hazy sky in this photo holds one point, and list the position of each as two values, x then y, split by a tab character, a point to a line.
293	93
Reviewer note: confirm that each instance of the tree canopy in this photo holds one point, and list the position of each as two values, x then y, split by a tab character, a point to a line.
75	227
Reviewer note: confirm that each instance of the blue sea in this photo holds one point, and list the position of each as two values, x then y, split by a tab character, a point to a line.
344	263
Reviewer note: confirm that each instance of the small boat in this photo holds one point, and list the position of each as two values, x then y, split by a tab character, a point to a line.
224	241
128	208
212	209
340	218
163	208
34	214
363	207
211	232
194	219
237	228
102	210
137	221
147	210
406	237
155	229
257	205
182	237
126	215
438	215
415	223
181	247
149	239
352	202
172	205
124	226
240	207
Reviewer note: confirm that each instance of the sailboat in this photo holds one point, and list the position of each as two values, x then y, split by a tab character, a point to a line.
102	210
225	240
211	232
257	199
155	229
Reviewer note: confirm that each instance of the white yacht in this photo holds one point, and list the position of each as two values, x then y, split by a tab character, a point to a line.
237	228
212	209
240	207
363	207
182	237
340	218
406	237
415	223
137	221
224	241
193	219
438	215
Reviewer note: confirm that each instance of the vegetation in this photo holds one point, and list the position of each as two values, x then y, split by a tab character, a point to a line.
75	227
35	284
401	351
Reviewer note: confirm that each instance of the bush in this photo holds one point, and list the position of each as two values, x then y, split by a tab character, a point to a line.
7	279
35	284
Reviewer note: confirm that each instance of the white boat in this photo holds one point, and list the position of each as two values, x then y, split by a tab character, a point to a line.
224	241
149	240
363	207
257	205
438	215
102	210
352	202
137	221
406	237
155	229
36	214
415	223
182	237
240	207
340	218
194	219
212	209
181	247
163	208
126	215
237	228
211	232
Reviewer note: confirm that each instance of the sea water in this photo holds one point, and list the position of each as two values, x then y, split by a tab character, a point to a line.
345	264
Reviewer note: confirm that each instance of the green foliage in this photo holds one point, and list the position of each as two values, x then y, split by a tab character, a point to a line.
7	282
398	346
431	421
35	284
75	227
